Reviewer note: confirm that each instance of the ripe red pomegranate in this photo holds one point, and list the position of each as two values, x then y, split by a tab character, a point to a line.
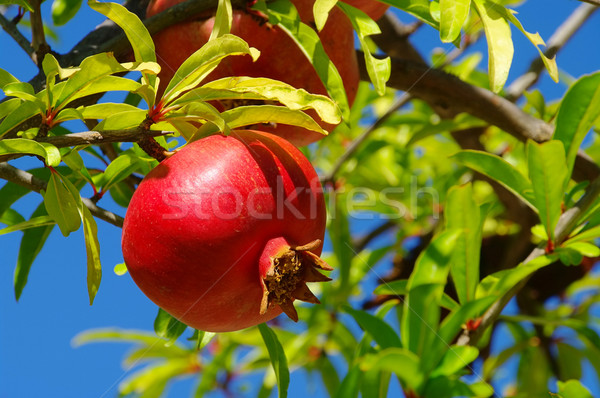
225	233
373	8
280	58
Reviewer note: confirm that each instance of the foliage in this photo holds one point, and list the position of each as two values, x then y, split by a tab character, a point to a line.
473	213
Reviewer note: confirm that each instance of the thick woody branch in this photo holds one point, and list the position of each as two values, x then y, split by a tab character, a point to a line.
28	180
567	222
39	44
452	95
10	28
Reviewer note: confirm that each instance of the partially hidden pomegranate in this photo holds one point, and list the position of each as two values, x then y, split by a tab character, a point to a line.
225	233
280	59
373	8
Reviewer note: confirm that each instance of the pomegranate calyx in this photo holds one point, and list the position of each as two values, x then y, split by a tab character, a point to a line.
286	279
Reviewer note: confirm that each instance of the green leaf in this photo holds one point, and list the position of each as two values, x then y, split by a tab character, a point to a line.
136	32
223	19
380	331
498	36
204	61
255	114
278	359
8	106
64	10
425	289
499	170
11	217
115	335
49	152
120	269
265	89
535	39
203	338
579	110
350	384
398	288
31	244
92	249
34	222
61	205
18	116
195	112
379	70
585	248
119	169
548	172
403	363
321	10
455	358
463	213
573	389
418	8
453	14
499	283
25	92
167	327
285	15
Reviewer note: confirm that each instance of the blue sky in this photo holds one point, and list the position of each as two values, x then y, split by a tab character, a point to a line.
36	355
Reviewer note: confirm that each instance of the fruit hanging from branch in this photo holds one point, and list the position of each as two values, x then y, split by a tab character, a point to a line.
281	59
225	233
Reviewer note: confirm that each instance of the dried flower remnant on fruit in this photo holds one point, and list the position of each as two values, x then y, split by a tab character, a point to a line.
287	277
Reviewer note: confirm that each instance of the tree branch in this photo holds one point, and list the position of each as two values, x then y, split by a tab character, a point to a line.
11	28
94	138
39	44
567	222
593	2
28	180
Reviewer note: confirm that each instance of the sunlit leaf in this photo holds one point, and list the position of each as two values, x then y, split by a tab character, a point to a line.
61	205
223	19
453	14
379	70
579	110
500	45
547	172
166	326
64	10
33	222
499	170
380	331
403	363
278	359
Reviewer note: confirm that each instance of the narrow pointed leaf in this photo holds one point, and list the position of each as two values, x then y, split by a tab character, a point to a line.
453	14
61	206
223	19
456	358
18	116
399	288
421	313
287	18
33	222
321	10
136	32
405	364
167	327
500	45
380	331
31	244
92	248
278	359
499	170
547	172
463	213
49	152
379	70
204	61
579	110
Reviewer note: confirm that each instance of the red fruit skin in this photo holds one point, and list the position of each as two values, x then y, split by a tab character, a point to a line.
202	226
280	57
373	8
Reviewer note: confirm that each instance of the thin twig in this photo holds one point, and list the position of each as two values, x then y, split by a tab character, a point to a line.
17	36
360	244
28	180
353	147
566	224
39	44
556	42
94	138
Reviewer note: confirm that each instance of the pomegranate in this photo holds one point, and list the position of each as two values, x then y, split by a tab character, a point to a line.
280	59
373	8
225	233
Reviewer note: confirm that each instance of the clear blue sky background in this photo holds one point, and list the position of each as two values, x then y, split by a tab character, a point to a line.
36	355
